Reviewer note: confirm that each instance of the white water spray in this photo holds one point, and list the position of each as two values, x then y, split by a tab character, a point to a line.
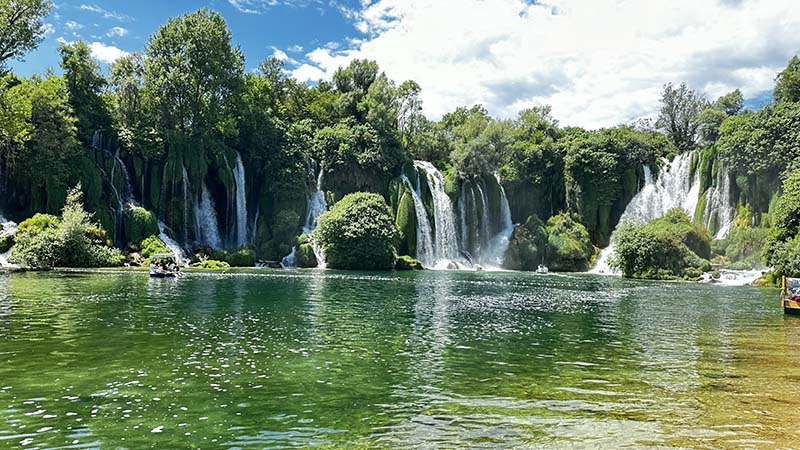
206	220
241	202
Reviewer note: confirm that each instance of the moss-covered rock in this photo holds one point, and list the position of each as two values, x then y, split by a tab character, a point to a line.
240	257
406	222
306	258
212	264
569	248
358	232
139	223
528	246
406	262
152	245
6	242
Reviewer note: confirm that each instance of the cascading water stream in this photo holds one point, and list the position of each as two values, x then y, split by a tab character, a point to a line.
446	240
206	220
673	189
315	206
496	250
171	244
7	227
720	213
425	251
241	202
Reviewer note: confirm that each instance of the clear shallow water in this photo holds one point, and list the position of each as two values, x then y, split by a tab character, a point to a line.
432	359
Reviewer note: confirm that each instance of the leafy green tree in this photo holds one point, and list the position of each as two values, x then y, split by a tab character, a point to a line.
782	249
21	27
730	103
358	233
15	115
679	116
133	116
787	84
85	85
193	74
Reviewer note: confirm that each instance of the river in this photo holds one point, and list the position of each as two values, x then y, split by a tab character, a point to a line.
419	359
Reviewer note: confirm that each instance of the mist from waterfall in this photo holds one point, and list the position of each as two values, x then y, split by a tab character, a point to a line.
206	220
674	188
241	202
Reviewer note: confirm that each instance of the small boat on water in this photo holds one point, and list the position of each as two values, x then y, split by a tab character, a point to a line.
790	295
542	269
164	265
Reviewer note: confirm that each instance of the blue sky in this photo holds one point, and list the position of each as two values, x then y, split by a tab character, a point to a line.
598	63
257	26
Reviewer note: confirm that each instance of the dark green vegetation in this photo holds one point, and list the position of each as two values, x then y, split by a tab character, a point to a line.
164	131
667	248
783	243
358	233
419	359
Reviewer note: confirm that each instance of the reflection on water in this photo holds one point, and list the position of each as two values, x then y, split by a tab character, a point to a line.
432	359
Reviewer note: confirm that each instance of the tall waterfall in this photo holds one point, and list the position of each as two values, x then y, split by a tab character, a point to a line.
206	220
446	240
425	251
720	213
241	202
186	204
673	189
496	250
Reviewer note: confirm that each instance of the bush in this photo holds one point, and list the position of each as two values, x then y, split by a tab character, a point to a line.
240	257
44	242
406	262
569	248
213	264
152	245
358	232
666	248
6	242
139	223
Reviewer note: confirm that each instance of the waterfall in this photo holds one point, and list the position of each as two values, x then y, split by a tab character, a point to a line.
484	220
241	202
496	250
7	227
186	204
720	213
176	249
446	240
425	252
315	206
206	220
673	189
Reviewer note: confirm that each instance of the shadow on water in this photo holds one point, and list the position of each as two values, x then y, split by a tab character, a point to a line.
429	359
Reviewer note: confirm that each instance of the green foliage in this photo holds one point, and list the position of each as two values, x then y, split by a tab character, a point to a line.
569	248
153	245
406	262
21	27
358	232
85	84
139	223
6	242
213	264
241	257
782	242
787	85
679	116
667	248
43	242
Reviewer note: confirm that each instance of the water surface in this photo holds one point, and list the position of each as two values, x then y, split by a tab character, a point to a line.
431	359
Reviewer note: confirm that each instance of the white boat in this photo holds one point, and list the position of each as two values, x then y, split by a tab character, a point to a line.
542	269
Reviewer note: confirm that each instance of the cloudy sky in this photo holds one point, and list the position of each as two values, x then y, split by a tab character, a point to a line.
597	62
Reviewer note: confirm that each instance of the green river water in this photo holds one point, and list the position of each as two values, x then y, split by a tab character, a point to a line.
419	360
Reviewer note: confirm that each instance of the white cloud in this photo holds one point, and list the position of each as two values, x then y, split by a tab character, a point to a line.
279	54
597	62
295	48
48	29
73	26
63	41
106	53
260	6
106	13
117	32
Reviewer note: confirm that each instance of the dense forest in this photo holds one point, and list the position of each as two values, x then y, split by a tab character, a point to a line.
180	143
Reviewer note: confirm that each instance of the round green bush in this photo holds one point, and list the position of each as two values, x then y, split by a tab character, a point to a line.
569	247
152	245
139	223
358	233
213	264
306	258
406	262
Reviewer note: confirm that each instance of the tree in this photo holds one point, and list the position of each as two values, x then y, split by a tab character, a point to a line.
133	117
85	85
787	83
680	111
358	233
193	74
730	103
409	109
21	27
783	241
